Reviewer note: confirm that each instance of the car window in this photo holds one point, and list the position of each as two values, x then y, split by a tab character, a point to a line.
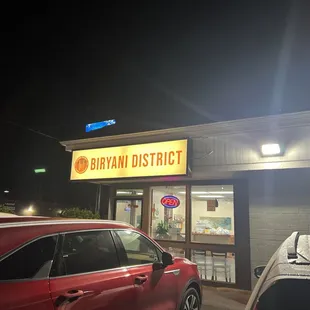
286	294
87	252
139	250
34	260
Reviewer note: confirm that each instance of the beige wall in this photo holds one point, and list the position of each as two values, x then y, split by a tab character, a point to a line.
225	209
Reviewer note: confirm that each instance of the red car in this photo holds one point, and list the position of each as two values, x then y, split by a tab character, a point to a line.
49	264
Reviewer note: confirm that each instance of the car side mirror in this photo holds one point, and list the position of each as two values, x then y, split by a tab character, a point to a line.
258	271
158	266
167	259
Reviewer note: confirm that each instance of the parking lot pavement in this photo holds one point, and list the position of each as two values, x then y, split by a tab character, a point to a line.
224	299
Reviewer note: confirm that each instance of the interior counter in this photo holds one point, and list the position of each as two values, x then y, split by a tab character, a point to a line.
214	239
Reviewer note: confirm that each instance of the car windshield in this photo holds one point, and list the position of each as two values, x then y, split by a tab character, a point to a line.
286	295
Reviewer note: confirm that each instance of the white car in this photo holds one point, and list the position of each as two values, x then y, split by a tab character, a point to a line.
284	283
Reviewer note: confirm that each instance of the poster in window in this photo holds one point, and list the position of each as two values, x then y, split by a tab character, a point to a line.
212	205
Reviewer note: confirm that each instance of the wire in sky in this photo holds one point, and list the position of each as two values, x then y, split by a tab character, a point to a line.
32	130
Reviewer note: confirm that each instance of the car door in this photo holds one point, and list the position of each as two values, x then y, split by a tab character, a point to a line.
24	282
154	289
87	274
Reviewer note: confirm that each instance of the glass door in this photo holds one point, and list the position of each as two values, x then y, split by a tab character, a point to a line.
129	211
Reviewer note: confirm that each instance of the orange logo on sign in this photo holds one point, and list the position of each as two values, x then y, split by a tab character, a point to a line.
81	164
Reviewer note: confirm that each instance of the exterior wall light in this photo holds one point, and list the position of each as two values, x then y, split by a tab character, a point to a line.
29	211
273	149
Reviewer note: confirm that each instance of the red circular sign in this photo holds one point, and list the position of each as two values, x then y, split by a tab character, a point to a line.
81	164
170	202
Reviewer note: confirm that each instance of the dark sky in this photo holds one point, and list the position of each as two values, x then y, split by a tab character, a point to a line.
149	64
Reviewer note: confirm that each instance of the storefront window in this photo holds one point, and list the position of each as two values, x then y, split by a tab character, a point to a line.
215	266
213	214
129	211
168	213
176	252
129	192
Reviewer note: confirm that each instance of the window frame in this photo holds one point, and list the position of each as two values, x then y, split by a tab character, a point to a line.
21	246
60	239
151	198
241	248
190	224
121	248
59	251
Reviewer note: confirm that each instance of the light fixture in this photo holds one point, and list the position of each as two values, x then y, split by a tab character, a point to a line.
218	192
195	193
6	191
211	196
129	193
30	209
222	192
271	149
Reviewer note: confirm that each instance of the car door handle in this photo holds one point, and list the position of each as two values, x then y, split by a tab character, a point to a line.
74	294
140	279
68	297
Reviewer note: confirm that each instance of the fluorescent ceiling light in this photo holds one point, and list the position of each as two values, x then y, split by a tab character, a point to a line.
211	196
195	193
271	149
218	192
128	193
221	192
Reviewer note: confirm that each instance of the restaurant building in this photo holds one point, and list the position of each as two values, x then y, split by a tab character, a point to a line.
223	194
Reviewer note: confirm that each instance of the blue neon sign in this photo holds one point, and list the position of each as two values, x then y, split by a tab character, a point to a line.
99	125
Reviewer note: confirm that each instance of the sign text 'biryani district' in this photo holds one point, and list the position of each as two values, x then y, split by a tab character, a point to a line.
141	160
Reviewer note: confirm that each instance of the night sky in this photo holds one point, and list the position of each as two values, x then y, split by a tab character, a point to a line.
149	64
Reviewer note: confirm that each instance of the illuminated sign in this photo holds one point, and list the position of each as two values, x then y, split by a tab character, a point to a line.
40	170
99	125
142	160
170	202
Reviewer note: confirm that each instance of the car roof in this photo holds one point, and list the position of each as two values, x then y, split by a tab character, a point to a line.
291	261
21	221
26	229
4	214
10	218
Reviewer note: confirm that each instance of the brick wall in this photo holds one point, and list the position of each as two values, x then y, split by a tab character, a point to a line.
279	204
